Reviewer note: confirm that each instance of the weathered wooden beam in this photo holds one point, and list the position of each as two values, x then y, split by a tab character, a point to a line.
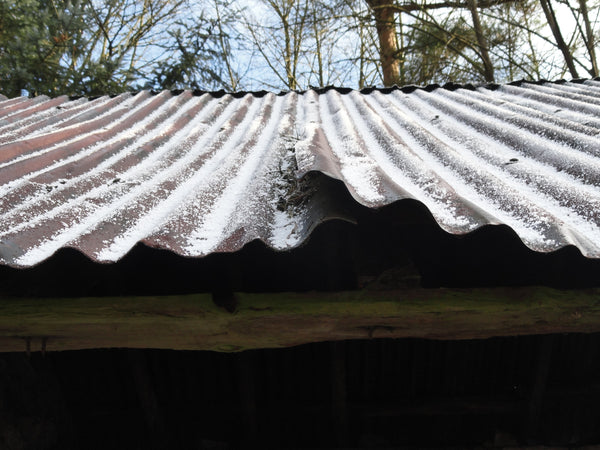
194	322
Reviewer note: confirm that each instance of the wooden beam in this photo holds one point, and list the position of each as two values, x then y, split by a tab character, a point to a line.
194	322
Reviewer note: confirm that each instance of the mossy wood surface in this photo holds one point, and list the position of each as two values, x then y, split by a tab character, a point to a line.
194	322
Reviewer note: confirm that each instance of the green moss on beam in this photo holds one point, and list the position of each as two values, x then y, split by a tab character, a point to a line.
194	322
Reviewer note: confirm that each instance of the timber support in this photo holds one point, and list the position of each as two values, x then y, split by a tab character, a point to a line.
270	320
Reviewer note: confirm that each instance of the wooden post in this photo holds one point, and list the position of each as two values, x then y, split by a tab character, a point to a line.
147	397
539	386
339	407
246	383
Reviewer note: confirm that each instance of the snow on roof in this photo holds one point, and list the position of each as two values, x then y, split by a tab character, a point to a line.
198	173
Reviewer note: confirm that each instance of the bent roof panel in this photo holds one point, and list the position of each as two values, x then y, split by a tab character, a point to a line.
205	173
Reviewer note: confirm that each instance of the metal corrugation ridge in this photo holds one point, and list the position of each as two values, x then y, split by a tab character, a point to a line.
203	173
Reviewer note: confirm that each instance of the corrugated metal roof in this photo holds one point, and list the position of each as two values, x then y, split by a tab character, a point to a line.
198	173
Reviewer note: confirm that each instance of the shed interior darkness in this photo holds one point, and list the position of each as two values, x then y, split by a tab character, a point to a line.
405	393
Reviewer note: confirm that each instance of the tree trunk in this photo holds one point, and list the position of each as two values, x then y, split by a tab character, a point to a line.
560	42
388	45
488	68
291	80
589	40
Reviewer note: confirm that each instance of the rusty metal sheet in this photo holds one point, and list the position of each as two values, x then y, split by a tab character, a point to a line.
199	173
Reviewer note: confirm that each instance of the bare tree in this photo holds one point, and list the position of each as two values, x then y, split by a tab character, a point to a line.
280	42
225	14
481	41
588	37
121	33
200	50
303	42
583	32
560	42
